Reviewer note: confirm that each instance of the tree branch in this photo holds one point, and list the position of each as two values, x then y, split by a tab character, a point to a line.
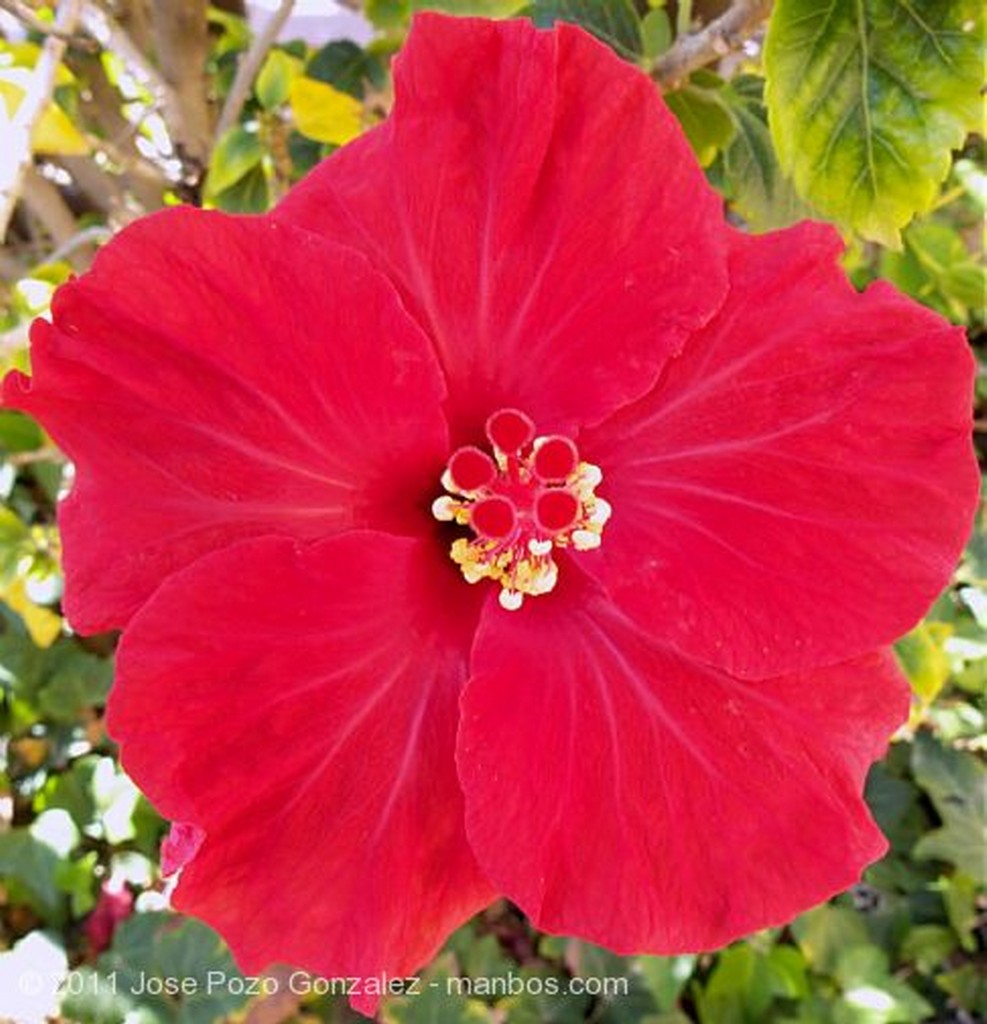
115	135
114	39
26	16
718	38
44	200
181	33
29	111
249	65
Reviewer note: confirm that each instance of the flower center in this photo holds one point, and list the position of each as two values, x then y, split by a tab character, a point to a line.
531	496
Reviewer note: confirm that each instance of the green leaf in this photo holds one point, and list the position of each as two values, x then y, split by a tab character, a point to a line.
343	65
871	995
236	153
822	934
703	117
76	878
467	8
752	178
615	22
665	977
968	986
957	783
924	659
28	867
739	989
544	998
15	543
19	433
622	996
960	896
894	803
275	78
656	33
929	946
149	950
248	195
867	98
59	682
935	268
440	999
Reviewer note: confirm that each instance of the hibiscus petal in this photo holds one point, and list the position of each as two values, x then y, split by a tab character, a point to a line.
217	377
540	211
797	488
617	792
298	704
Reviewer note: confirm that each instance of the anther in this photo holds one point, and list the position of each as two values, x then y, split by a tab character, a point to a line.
444	508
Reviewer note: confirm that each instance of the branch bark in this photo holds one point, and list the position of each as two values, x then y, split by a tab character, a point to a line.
718	38
101	106
181	32
114	39
29	111
44	200
249	65
26	16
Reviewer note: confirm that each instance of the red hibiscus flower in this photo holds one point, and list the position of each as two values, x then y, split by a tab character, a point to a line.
345	476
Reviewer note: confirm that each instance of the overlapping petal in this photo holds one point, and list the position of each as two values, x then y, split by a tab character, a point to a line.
621	793
299	706
797	488
214	378
540	211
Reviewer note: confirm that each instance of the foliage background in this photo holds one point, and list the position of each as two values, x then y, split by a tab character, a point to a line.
859	111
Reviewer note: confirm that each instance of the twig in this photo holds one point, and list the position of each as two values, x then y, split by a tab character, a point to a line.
248	67
29	111
44	200
717	39
49	453
181	40
87	236
33	23
114	39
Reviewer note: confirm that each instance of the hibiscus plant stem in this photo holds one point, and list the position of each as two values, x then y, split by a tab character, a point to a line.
694	50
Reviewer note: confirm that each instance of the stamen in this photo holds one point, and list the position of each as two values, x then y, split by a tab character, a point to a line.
510	600
532	497
585	540
444	508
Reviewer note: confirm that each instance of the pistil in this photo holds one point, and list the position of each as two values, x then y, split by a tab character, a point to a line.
533	496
